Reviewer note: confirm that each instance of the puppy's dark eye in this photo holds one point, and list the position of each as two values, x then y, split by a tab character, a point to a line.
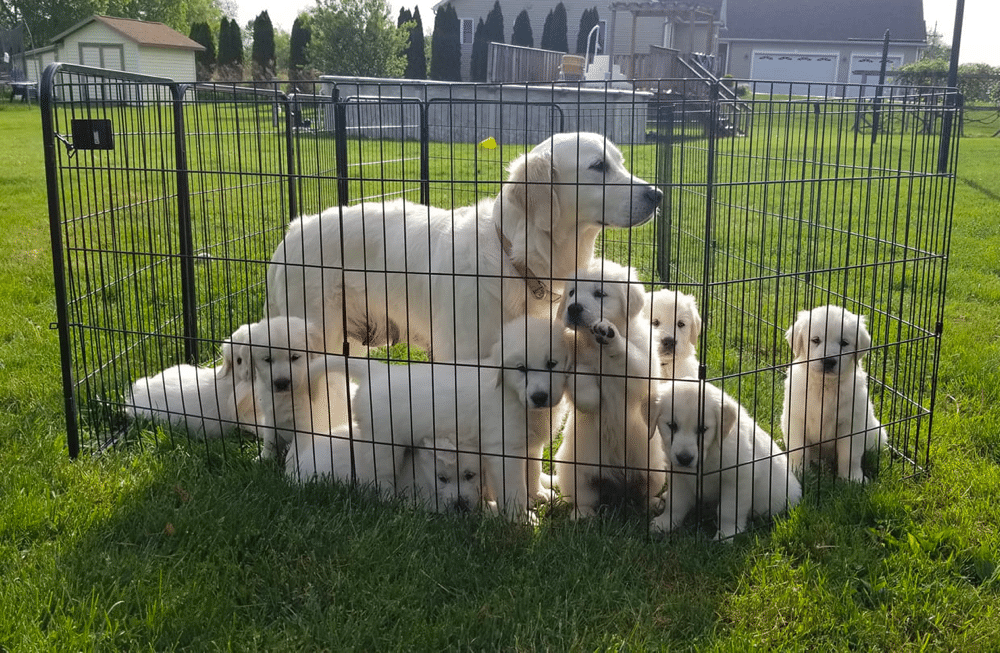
268	359
815	340
672	426
551	365
443	479
469	476
681	324
599	166
521	368
572	292
701	429
239	360
296	357
656	323
844	343
600	294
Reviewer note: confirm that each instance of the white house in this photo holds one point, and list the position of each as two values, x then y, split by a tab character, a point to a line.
125	44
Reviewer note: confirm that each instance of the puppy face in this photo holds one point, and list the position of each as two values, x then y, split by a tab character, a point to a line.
535	360
281	349
831	338
446	480
690	424
236	356
593	183
605	291
675	317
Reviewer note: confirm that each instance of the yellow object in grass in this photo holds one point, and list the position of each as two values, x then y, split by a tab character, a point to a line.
489	144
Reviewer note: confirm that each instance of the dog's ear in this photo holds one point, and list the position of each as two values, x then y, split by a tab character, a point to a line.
314	340
695	318
798	333
226	368
864	338
730	413
528	197
636	299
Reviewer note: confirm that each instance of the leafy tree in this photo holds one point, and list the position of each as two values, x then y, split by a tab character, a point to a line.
298	57
416	59
446	48
230	65
262	53
554	31
480	47
588	21
356	37
522	31
204	61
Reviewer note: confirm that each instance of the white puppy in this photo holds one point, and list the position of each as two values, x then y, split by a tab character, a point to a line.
281	350
440	278
606	453
504	413
208	401
718	454
826	411
676	325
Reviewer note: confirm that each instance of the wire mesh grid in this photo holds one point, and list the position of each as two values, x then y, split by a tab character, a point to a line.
168	202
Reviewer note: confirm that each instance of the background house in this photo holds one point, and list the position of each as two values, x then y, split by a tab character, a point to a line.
120	44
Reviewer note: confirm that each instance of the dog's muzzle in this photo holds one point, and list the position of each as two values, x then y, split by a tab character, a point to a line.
654	196
282	385
668	345
830	365
540	399
684	459
574	315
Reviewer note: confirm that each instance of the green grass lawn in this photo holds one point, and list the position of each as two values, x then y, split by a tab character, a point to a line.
145	549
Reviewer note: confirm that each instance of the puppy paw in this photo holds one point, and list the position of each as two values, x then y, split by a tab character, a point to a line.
605	332
661	525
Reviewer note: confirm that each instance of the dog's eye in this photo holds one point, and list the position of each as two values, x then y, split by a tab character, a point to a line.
443	479
656	323
239	360
572	292
599	166
522	368
681	324
600	294
672	426
551	365
268	359
815	340
470	475
295	357
702	429
844	343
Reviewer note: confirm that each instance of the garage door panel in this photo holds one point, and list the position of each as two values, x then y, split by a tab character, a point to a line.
795	67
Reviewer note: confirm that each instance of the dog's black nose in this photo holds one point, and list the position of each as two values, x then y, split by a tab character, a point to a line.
654	196
574	311
461	505
282	385
685	459
829	364
539	398
669	344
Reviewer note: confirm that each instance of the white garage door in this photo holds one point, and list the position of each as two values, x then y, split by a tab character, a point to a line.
795	67
865	69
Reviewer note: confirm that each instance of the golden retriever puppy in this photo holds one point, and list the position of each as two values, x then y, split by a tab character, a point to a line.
607	456
717	453
207	401
676	326
826	410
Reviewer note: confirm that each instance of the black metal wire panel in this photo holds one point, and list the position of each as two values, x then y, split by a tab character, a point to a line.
774	202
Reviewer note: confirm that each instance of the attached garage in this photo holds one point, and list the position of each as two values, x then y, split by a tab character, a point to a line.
799	66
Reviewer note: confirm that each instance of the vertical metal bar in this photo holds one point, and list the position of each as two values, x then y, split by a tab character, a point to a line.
665	176
877	101
340	136
713	134
951	100
291	120
425	153
46	102
185	234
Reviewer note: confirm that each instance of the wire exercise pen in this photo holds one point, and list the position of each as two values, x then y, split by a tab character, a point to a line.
168	200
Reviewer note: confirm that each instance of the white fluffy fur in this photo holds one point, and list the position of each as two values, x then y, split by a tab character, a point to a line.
676	326
432	276
207	401
718	453
504	413
827	411
606	444
280	351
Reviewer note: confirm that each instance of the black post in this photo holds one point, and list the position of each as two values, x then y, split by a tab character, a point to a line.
877	101
951	102
340	134
664	179
425	153
185	233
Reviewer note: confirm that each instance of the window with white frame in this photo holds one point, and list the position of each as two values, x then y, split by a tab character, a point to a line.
468	29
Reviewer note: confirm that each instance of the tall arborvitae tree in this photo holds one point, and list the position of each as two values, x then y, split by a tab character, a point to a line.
230	64
298	46
554	31
494	24
480	47
416	59
446	48
522	31
225	56
588	20
204	61
262	53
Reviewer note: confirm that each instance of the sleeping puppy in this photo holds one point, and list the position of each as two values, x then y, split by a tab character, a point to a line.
676	325
207	401
607	456
499	406
719	455
827	411
280	353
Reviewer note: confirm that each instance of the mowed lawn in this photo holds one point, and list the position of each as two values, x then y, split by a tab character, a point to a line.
137	550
